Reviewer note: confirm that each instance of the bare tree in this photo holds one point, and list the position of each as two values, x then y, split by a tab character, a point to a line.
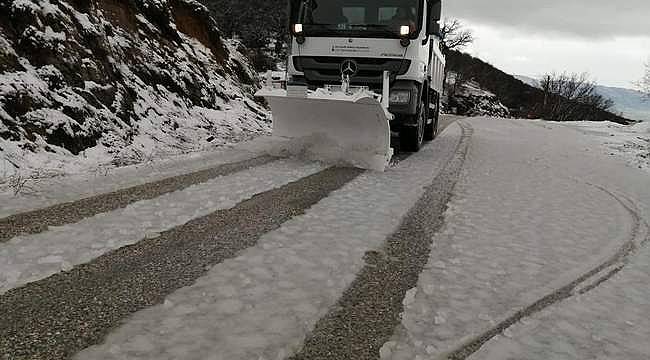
453	36
644	84
570	97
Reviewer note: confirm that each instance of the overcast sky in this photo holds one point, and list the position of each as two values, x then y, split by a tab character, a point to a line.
610	39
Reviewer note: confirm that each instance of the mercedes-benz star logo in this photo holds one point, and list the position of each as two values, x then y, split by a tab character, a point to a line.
349	68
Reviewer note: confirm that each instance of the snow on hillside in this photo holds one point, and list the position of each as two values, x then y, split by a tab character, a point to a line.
94	84
630	143
470	99
528	80
632	104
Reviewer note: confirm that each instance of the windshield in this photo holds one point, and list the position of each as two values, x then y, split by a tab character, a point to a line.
370	18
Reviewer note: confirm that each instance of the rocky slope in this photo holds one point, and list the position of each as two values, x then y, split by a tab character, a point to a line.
470	99
88	82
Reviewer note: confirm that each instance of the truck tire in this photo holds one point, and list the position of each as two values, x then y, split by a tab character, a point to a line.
412	137
431	130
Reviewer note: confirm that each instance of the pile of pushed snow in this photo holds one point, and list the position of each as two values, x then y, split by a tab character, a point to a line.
629	142
642	127
86	84
469	99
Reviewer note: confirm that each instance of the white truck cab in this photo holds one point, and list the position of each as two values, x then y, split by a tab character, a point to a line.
361	39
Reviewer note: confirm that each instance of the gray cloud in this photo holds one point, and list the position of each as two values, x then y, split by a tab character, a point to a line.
583	18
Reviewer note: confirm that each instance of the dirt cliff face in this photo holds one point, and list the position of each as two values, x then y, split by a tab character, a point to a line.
118	80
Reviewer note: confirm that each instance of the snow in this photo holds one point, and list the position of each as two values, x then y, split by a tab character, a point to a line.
325	131
538	205
470	99
355	95
611	322
536	208
6	46
48	9
164	123
14	83
472	88
261	304
334	93
51	35
642	127
85	22
25	5
52	187
630	143
29	258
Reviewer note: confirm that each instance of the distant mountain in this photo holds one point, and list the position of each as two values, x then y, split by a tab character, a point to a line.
628	102
528	80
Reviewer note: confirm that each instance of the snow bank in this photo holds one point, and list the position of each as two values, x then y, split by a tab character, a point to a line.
630	143
642	127
48	191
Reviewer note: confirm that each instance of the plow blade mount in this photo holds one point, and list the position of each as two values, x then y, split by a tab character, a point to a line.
333	127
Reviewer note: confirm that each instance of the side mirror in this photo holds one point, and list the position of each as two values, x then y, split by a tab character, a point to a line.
434	15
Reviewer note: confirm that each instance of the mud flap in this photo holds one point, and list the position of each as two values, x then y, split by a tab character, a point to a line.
333	127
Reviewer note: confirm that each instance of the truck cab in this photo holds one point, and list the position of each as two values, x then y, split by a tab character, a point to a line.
361	39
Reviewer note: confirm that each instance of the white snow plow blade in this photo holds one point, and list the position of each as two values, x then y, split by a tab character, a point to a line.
333	127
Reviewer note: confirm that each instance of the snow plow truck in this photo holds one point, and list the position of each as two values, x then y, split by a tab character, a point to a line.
358	72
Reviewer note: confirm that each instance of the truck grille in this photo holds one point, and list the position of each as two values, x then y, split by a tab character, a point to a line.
327	70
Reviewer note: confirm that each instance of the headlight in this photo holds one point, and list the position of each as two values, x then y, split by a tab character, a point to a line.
400	97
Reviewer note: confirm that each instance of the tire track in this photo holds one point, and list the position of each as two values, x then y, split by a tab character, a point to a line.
56	317
366	315
600	274
37	221
400	156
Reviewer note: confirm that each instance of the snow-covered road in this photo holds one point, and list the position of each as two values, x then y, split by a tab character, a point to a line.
517	239
29	258
537	210
263	302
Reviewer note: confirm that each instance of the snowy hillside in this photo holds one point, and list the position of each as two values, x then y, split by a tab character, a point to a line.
86	84
630	103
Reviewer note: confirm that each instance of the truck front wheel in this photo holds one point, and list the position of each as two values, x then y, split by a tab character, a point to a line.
412	137
431	130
